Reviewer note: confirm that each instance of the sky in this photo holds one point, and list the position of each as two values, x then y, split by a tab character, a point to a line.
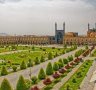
37	17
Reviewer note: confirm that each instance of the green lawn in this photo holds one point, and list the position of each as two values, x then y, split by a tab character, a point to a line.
78	76
18	57
94	53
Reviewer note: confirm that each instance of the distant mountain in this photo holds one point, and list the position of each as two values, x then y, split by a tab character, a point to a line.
3	34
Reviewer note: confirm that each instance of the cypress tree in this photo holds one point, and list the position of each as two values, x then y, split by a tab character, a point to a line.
55	66
4	71
5	85
41	74
42	59
23	65
36	61
49	56
21	85
49	69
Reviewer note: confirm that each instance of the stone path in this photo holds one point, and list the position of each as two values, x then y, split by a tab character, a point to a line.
3	53
13	77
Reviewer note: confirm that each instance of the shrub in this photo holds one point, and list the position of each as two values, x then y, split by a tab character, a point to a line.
44	49
60	60
35	88
33	48
14	68
56	80
56	54
47	81
70	58
41	74
63	52
55	66
5	85
49	69
49	56
48	87
36	61
74	80
27	82
30	63
4	71
65	61
68	87
79	74
23	65
60	63
21	85
34	80
42	59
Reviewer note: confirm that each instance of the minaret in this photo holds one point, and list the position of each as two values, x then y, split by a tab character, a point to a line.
55	32
88	27
55	26
64	27
95	25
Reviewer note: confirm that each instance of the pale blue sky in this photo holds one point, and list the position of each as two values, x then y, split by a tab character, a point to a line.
38	16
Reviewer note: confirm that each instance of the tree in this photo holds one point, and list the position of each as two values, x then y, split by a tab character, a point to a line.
23	65
77	54
4	71
49	56
60	63
30	63
21	85
65	61
36	61
34	80
49	69
41	74
70	58
55	66
5	85
42	59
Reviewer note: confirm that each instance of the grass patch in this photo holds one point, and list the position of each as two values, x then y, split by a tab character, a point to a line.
74	82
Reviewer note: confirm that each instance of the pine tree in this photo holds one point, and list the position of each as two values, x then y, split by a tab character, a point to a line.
5	85
41	74
49	69
21	85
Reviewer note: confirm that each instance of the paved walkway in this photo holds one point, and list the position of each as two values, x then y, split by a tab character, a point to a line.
3	53
13	77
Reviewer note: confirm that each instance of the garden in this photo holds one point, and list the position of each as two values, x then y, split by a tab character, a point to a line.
31	57
74	82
